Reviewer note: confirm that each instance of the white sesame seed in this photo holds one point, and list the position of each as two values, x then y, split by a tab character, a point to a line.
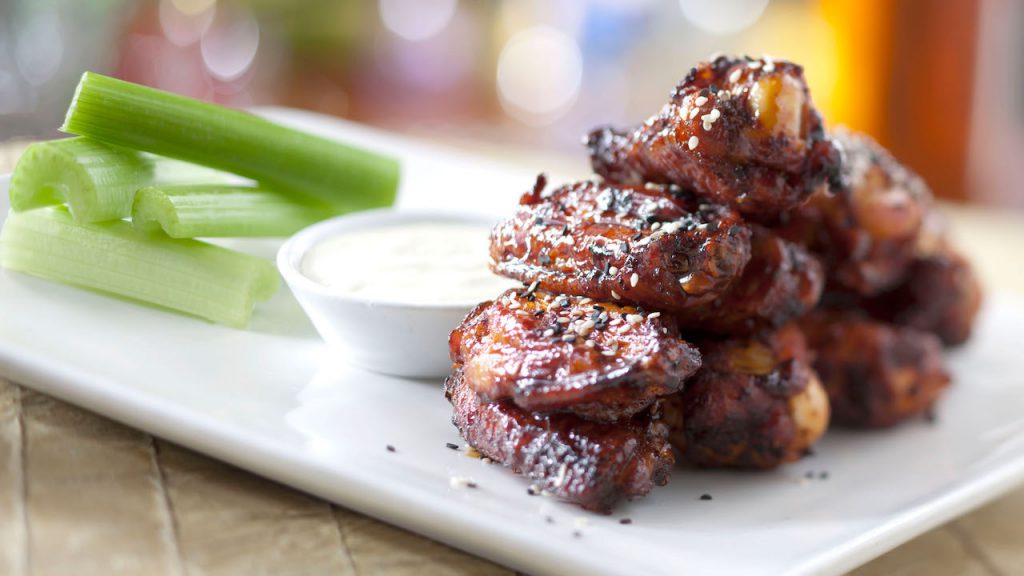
514	304
707	126
590	343
460	482
603	317
584	301
735	76
700	100
634	279
654	315
561	474
692	143
615	295
549	332
754	65
655	226
715	114
769	67
613	270
533	286
634	319
563	319
568	338
486	460
693	113
586	328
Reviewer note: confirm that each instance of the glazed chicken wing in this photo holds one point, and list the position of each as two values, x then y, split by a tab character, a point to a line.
941	295
755	403
781	282
588	463
740	132
876	374
554	353
653	246
867	235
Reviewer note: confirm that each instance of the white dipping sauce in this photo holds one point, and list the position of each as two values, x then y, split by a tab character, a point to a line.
421	263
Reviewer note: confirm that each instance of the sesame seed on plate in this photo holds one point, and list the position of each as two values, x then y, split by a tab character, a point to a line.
451	446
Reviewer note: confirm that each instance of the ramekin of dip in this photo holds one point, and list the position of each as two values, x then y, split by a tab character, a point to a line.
390	285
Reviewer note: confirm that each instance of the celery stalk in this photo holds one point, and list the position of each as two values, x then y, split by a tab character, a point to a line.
97	181
222	211
189	276
286	160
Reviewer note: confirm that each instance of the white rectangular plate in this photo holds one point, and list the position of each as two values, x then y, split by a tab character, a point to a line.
272	400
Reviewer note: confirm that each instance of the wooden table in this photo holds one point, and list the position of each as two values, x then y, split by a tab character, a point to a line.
80	494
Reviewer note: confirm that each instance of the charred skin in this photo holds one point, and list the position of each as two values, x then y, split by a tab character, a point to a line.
876	374
868	235
554	353
757	141
651	246
781	282
591	464
941	295
755	403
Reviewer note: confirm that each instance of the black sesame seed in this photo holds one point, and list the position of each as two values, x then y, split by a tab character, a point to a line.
531	491
705	496
538	220
565	230
451	446
577	534
472	484
704	92
638	236
390	448
544	259
626	521
538	313
823	475
549	519
809	474
713	89
929	417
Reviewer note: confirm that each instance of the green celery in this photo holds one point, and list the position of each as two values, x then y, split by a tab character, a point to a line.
286	160
189	276
96	180
222	211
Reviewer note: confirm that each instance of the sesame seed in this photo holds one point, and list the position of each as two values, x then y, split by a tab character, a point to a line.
561	474
549	519
769	67
634	319
705	496
692	143
533	490
715	114
563	320
590	344
735	76
586	327
693	113
533	287
626	521
577	534
451	446
461	482
569	338
656	226
549	332
613	270
700	100
486	460
707	126
654	315
390	448
615	295
514	304
634	279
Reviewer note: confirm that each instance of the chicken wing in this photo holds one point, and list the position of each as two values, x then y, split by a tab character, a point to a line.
654	246
755	403
867	235
941	295
588	463
781	282
741	132
554	353
876	374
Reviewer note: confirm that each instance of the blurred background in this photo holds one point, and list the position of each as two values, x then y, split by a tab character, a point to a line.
940	82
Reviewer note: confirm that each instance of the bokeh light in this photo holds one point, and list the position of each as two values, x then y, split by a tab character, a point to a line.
540	70
417	19
722	16
229	47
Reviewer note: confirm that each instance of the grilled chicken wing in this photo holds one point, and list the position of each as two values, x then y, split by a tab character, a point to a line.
554	353
868	235
876	374
740	132
588	463
653	246
781	282
941	295
755	403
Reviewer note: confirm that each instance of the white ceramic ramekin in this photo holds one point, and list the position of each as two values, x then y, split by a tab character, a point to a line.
409	340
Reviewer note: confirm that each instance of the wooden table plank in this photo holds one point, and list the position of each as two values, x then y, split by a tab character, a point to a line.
378	548
13	548
232	522
93	496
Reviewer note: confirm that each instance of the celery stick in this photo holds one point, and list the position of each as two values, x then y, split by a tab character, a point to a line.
97	181
189	276
286	160
222	211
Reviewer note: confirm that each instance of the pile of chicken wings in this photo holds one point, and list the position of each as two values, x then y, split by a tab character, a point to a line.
733	279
